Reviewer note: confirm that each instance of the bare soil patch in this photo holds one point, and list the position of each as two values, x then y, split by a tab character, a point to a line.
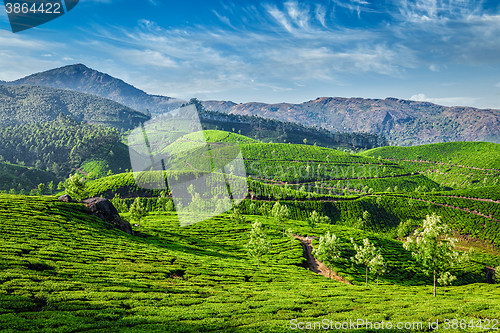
315	265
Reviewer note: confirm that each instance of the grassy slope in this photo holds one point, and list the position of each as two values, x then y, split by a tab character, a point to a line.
64	270
471	154
305	164
115	158
454	164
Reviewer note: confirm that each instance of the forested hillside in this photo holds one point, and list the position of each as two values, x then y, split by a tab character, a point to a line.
35	104
23	179
272	130
59	146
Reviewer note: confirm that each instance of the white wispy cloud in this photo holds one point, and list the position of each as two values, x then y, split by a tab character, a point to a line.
447	101
21	55
272	46
448	31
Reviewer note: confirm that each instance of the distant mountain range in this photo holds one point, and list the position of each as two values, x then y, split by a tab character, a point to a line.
402	121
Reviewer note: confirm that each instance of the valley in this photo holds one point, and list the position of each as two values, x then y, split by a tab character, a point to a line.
312	222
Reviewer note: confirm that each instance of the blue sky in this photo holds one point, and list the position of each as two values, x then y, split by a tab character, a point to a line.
446	52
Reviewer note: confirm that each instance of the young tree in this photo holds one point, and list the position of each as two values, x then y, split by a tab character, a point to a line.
446	278
367	218
364	255
405	228
466	257
138	211
265	210
281	213
328	251
378	265
119	203
252	208
433	246
236	216
316	218
497	274
162	201
51	187
76	187
258	244
41	188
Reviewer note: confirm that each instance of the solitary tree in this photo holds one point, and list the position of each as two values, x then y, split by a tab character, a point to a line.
41	188
51	187
138	211
119	203
316	218
265	210
367	218
328	251
76	187
365	254
281	213
258	244
236	216
162	201
378	265
433	246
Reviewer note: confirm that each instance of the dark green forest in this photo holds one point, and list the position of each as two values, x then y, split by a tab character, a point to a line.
58	146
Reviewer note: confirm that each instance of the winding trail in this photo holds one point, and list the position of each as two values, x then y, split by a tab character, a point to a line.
441	163
313	264
460	208
83	172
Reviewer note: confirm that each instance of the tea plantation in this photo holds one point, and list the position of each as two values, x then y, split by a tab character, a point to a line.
63	270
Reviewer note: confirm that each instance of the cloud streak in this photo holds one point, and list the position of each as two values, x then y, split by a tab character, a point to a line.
281	47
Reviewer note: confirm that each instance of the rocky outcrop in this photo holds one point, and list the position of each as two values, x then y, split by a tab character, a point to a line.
104	209
66	198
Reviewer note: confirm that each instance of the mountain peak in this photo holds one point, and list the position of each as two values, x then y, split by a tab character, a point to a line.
81	78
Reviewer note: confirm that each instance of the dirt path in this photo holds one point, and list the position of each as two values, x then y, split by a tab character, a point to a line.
460	208
80	170
313	264
441	163
467	198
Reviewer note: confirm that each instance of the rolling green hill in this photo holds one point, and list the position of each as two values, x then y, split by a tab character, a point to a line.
452	164
312	168
80	275
112	157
